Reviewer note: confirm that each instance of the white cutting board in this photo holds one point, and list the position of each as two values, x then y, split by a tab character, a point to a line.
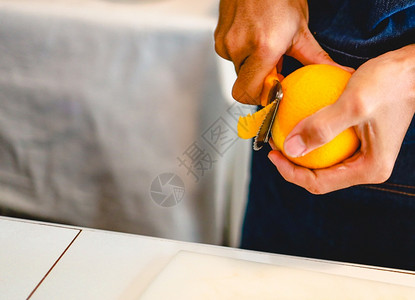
198	276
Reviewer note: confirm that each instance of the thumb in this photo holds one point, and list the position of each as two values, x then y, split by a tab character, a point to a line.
308	51
319	129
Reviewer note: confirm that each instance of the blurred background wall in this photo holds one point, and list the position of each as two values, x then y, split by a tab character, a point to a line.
117	115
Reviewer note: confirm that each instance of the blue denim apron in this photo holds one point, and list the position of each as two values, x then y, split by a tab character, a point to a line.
368	224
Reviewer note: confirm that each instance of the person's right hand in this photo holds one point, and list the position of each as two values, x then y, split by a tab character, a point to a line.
255	34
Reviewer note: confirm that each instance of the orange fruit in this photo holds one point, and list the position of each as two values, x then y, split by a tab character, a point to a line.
306	91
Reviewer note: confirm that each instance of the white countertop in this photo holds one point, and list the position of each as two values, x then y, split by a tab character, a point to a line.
50	261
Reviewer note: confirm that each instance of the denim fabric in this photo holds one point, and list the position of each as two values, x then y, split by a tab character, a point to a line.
354	31
368	224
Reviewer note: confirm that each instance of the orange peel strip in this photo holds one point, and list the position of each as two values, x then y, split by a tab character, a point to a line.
249	125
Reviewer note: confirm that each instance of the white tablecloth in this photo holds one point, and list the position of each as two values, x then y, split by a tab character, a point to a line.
99	98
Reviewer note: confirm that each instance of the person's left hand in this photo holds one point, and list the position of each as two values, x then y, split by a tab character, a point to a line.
379	102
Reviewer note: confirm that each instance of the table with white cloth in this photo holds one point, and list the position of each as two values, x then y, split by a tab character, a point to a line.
117	115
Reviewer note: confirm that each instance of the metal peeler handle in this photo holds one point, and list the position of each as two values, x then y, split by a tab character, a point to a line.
269	92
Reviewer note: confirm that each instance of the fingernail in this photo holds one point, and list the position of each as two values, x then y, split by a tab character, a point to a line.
295	146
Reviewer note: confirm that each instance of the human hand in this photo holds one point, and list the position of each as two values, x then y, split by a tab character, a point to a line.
379	102
255	34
